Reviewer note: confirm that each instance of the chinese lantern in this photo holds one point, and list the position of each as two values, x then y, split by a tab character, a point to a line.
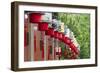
35	17
74	48
60	36
43	26
67	40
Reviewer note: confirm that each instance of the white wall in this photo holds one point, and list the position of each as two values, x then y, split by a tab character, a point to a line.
5	32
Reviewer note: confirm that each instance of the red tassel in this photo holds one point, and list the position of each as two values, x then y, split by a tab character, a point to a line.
48	53
42	53
54	53
25	36
42	45
34	41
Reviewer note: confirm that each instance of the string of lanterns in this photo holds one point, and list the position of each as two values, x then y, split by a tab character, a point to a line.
52	32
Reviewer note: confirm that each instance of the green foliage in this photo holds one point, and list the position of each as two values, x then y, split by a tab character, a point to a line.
80	25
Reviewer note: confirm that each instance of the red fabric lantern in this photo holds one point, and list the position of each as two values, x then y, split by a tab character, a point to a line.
74	48
43	26
71	45
56	34
35	17
60	36
67	40
50	32
63	37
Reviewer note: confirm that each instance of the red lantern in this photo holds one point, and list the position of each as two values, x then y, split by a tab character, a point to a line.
60	36
63	37
43	26
50	32
35	17
67	40
56	34
74	48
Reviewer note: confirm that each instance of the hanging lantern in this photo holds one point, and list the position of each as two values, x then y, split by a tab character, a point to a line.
60	36
43	26
56	34
50	32
67	40
74	48
63	37
35	17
